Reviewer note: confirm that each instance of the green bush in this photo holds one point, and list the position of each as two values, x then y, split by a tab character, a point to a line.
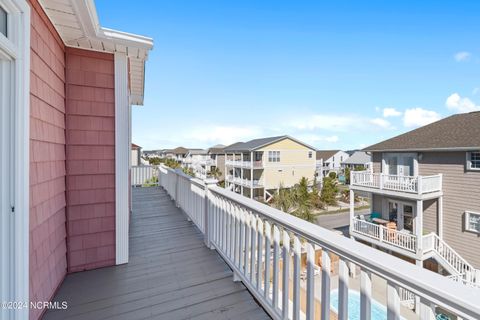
332	175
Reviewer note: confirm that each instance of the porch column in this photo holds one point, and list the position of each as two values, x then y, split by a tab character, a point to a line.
241	172
440	216
352	209
122	157
251	175
419	226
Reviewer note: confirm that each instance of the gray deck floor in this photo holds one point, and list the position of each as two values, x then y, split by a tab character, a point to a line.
171	274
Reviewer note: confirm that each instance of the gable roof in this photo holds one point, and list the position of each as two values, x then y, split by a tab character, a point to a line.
358	157
326	154
179	150
135	146
217	149
457	132
262	142
197	151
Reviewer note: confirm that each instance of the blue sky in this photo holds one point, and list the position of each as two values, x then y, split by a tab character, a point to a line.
334	74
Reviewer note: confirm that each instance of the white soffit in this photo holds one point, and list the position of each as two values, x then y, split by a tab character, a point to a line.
77	23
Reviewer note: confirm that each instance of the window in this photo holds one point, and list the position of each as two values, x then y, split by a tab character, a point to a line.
3	21
473	160
472	221
310	154
273	156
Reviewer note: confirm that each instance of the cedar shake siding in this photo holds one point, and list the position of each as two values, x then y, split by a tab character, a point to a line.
460	187
90	149
48	264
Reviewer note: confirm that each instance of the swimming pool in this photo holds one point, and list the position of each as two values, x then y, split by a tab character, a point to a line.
379	311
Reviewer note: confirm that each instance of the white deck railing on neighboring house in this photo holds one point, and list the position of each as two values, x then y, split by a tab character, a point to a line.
408	184
263	247
244	164
144	176
381	233
461	270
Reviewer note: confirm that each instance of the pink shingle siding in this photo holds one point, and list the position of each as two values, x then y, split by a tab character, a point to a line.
48	263
90	150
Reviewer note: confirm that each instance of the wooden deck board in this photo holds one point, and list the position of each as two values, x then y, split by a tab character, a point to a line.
170	275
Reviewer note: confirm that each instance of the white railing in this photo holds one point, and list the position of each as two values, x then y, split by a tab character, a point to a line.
407	298
244	182
409	184
381	233
244	164
461	270
144	176
263	246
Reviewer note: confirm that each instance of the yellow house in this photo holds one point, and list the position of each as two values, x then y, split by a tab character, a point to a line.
258	167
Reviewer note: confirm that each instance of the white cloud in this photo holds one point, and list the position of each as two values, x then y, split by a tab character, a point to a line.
462	56
382	123
456	103
391	112
417	117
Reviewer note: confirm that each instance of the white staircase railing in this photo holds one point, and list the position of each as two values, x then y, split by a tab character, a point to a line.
461	270
263	246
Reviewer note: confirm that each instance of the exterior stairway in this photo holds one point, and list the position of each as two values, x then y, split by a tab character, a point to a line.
460	270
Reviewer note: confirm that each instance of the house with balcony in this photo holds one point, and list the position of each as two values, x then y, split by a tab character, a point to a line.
258	167
358	159
330	161
136	153
424	188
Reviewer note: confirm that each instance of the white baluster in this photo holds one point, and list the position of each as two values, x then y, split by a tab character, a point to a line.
310	281
276	258
297	250
326	267
285	274
259	253
268	242
342	290
365	295
393	302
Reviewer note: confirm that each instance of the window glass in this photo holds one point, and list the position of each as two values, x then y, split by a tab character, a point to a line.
475	160
273	156
3	22
472	222
310	154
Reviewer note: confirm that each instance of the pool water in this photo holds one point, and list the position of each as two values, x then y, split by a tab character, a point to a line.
379	311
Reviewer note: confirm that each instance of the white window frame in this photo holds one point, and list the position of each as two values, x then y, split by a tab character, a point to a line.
273	156
469	161
467	221
16	48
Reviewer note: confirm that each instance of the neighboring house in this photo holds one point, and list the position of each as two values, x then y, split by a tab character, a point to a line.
330	161
217	156
425	187
203	161
65	148
136	155
358	159
258	167
177	154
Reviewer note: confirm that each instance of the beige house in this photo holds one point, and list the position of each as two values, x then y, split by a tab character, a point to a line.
425	187
259	167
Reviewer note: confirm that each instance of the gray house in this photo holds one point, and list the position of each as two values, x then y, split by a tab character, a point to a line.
358	159
425	190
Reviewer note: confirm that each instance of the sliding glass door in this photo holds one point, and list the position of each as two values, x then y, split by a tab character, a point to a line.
402	164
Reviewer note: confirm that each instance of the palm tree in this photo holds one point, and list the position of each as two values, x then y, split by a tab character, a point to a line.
283	199
215	173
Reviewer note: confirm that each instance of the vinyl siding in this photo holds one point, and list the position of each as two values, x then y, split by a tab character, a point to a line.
461	190
294	164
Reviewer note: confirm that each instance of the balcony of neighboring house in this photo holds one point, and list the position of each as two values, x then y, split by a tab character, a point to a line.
256	183
245	164
414	187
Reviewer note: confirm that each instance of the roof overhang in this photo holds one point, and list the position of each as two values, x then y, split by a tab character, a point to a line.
449	149
76	21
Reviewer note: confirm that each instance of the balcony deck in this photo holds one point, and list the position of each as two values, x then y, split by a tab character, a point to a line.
171	274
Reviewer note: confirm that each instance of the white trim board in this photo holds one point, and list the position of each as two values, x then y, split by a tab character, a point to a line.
16	264
122	158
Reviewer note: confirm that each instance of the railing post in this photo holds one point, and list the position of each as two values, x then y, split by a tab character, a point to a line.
207	213
380	177
419	184
176	188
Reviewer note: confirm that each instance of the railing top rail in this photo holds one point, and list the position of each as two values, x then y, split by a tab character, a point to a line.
424	283
183	175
